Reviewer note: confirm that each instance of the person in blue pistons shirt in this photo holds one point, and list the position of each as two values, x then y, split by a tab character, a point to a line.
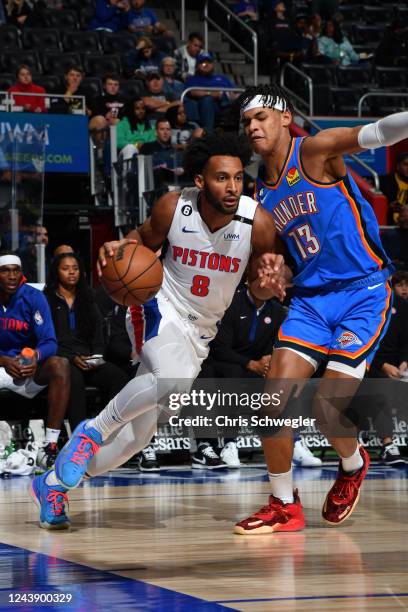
25	321
342	298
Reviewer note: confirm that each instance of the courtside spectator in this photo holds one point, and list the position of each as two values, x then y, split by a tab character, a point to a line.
110	15
400	284
29	254
18	11
24	87
166	161
336	46
202	105
70	103
395	187
142	20
134	129
111	103
186	55
79	330
25	321
395	242
144	58
182	130
155	98
171	84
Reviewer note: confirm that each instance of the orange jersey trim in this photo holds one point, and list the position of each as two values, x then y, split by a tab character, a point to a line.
315	347
357	218
283	171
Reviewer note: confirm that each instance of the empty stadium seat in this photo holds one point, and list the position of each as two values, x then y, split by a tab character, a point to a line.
117	43
92	86
62	20
51	83
82	42
131	88
344	100
57	63
321	74
386	76
10	60
98	65
41	38
9	37
6	81
377	15
85	14
354	76
363	34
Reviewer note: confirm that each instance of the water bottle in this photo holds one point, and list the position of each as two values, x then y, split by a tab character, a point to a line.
27	357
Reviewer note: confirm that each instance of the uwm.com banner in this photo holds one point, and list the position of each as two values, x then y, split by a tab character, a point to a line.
65	139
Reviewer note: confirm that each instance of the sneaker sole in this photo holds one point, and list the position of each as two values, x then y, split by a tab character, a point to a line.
149	469
267	529
197	466
48	526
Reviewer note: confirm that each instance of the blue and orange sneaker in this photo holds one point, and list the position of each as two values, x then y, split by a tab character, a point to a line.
51	501
72	462
345	492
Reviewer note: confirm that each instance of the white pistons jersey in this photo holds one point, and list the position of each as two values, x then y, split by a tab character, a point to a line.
202	269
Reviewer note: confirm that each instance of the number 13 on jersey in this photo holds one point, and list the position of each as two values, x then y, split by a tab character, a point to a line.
307	244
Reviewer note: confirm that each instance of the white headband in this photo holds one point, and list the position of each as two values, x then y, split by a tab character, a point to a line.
264	102
10	260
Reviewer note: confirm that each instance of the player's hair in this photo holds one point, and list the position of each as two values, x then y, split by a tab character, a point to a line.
400	277
200	150
83	296
4	252
271	93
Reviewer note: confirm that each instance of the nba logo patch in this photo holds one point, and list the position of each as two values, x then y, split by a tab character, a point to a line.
293	176
347	339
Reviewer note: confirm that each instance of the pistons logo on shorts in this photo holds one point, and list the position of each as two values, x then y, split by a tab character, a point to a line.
348	338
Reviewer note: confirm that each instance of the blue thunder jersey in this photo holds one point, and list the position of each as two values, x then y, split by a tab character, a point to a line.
329	229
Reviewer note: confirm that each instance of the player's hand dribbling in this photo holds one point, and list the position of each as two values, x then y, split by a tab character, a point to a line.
108	249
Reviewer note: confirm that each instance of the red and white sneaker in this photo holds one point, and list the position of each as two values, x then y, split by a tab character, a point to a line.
276	516
343	496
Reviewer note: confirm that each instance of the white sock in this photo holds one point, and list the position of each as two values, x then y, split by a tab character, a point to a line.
282	486
51	435
51	479
353	463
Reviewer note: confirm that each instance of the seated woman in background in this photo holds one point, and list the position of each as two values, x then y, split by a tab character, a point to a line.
24	86
133	130
79	330
182	131
333	44
144	58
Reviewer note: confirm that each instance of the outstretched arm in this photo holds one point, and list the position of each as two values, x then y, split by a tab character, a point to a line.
321	154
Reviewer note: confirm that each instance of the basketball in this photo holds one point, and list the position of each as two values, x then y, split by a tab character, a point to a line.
133	275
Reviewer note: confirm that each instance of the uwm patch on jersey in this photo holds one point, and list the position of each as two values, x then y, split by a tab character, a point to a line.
293	176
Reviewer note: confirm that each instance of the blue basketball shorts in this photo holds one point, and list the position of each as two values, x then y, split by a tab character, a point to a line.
345	326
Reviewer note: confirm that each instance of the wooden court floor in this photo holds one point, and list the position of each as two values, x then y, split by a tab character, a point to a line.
165	542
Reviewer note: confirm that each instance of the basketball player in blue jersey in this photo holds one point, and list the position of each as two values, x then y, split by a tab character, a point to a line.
342	297
213	233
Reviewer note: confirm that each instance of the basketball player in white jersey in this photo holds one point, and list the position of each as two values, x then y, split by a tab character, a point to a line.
213	234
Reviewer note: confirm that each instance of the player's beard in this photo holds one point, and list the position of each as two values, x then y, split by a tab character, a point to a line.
217	204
